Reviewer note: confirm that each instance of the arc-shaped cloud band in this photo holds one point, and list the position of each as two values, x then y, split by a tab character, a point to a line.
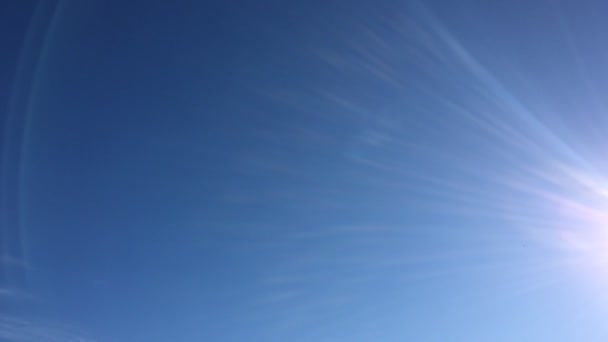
13	133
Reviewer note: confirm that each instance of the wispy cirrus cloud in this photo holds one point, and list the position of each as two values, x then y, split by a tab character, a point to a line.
16	329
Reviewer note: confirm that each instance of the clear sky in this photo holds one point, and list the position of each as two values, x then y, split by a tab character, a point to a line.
328	171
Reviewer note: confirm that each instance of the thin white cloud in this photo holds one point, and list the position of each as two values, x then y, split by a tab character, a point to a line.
16	329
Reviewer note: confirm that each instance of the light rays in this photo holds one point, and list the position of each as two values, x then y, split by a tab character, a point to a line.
528	176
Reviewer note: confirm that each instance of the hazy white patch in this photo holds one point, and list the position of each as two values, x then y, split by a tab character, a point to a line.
25	330
15	293
9	260
278	297
375	138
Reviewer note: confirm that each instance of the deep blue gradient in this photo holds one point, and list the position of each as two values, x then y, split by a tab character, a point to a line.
308	170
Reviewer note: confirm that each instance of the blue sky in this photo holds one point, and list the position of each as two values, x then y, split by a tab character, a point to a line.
310	171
